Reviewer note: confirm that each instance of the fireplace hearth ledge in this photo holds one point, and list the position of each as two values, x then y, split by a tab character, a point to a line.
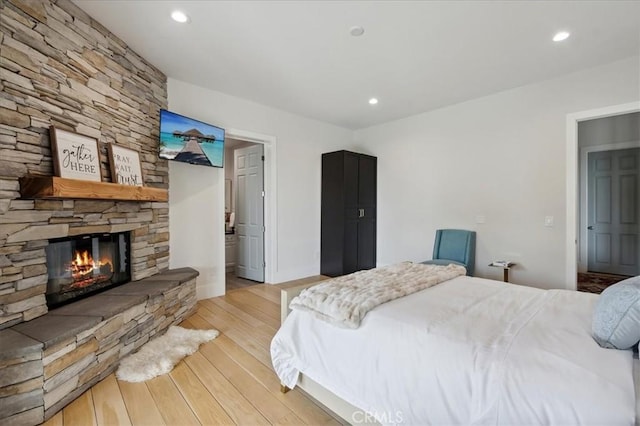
47	362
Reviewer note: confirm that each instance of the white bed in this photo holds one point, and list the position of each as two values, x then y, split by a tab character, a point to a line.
466	351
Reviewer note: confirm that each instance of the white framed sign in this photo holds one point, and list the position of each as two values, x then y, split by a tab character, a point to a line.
75	156
125	165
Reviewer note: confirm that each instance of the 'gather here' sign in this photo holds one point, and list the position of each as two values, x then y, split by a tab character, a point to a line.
75	156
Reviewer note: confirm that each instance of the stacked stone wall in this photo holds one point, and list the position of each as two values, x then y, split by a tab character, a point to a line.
60	67
48	362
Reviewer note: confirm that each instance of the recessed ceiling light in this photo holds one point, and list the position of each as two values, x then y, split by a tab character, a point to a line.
562	35
178	16
373	101
356	31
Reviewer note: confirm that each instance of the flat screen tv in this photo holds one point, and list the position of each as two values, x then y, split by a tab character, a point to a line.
190	141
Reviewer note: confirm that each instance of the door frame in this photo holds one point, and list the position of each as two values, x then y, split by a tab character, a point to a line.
572	178
583	240
270	198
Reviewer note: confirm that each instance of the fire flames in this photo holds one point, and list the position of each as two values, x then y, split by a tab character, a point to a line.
85	271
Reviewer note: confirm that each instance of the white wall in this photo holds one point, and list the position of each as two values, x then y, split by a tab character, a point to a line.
196	194
502	157
609	130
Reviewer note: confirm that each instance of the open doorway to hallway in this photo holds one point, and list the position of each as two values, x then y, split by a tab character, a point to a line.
609	201
244	214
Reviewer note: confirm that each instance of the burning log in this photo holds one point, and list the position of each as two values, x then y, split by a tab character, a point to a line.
85	271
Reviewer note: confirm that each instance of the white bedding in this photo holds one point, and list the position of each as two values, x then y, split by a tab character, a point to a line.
467	351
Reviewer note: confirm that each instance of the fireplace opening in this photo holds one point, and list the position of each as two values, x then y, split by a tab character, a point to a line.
86	264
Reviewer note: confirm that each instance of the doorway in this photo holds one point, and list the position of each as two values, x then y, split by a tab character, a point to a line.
613	209
244	213
607	129
249	179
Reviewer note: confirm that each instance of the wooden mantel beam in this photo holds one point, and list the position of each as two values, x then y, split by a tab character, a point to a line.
53	187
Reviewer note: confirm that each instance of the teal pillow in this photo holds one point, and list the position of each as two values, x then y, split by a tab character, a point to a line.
616	318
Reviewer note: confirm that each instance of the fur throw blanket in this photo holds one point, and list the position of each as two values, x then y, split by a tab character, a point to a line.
345	300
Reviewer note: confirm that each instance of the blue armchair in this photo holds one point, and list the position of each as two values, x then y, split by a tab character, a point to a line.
454	246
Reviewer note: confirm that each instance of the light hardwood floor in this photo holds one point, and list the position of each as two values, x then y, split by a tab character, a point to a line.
229	380
232	282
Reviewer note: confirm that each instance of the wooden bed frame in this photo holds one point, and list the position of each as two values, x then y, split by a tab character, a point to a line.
349	412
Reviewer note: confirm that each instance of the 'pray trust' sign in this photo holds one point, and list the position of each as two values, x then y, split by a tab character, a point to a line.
125	165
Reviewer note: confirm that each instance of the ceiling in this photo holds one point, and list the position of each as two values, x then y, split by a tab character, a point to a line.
414	56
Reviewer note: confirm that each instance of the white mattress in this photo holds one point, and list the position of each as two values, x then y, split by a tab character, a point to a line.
467	351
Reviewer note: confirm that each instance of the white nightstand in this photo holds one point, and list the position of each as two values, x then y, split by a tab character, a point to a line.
506	266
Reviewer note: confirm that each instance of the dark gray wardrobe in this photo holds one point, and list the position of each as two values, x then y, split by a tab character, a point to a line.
348	224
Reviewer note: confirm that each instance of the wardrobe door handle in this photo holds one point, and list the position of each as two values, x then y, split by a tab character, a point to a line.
360	213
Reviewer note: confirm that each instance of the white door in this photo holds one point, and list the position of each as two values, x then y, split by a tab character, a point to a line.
614	211
249	176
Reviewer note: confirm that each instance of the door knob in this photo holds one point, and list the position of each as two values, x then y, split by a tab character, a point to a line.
590	227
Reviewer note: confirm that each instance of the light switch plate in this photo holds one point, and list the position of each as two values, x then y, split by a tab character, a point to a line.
548	221
480	218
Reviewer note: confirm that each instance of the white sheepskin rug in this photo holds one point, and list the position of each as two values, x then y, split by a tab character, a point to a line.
160	355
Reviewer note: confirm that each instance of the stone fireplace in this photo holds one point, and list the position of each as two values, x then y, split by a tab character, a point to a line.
86	264
48	362
60	67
